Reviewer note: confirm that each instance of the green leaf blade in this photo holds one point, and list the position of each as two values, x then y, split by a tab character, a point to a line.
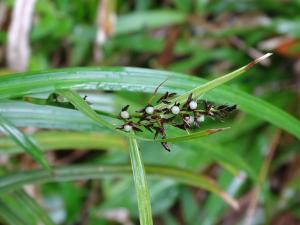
140	182
14	181
140	80
38	213
148	20
24	141
198	91
8	214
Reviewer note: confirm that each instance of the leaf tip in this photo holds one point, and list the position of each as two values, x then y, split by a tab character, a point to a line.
215	130
258	60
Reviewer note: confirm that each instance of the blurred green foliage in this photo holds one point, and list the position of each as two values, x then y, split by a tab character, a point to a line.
202	38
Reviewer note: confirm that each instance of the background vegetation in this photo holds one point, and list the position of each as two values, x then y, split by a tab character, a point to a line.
256	161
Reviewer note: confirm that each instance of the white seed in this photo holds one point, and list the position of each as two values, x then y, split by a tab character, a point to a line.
193	105
127	128
124	115
175	109
149	110
200	118
191	120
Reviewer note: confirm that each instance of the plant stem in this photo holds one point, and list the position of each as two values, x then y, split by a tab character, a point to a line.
140	181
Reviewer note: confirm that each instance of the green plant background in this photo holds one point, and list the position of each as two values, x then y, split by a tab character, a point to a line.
78	166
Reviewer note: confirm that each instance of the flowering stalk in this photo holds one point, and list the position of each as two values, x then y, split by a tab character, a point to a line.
185	116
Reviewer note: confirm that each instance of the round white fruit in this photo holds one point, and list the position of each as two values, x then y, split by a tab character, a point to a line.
191	120
193	105
200	118
124	115
175	109
127	128
149	110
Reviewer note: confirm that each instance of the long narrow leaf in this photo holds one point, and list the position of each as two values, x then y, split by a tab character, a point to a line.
8	214
53	140
143	80
198	91
58	140
192	136
25	114
70	173
149	20
33	207
84	107
140	183
24	141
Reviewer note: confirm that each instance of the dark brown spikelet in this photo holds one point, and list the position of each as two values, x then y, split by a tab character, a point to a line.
208	109
159	130
137	129
166	146
120	127
165	96
190	98
149	127
166	102
135	126
125	108
140	110
168	120
143	118
166	110
185	120
155	122
225	110
171	95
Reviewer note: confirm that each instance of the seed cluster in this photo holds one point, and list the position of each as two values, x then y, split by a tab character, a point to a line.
187	116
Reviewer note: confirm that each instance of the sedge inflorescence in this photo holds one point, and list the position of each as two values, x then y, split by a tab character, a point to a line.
189	115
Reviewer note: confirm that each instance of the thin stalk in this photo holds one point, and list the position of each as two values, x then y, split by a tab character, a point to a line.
140	182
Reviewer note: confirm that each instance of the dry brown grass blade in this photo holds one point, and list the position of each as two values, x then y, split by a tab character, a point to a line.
18	49
106	20
261	177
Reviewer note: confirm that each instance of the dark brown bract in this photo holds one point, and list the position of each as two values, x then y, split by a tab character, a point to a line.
189	115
